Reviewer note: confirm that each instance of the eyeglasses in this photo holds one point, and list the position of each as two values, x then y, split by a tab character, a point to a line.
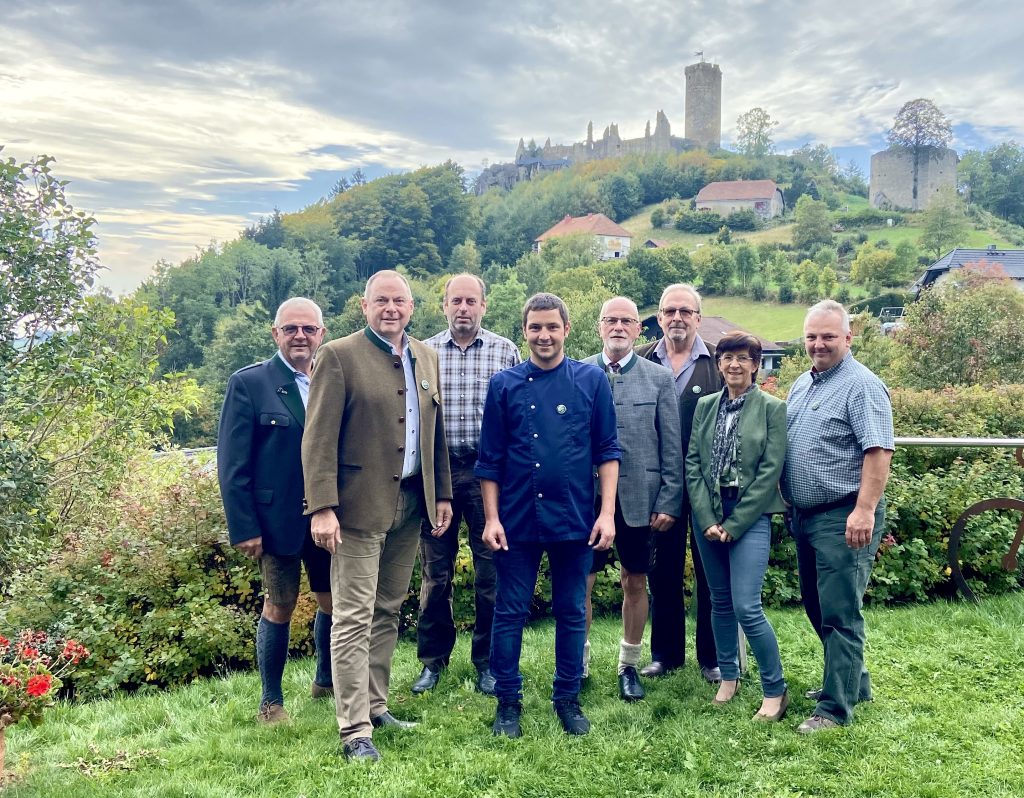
292	329
611	321
731	358
686	313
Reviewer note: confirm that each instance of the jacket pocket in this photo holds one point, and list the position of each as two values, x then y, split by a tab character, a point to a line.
274	419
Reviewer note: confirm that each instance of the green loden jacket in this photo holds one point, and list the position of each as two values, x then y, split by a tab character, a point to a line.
761	452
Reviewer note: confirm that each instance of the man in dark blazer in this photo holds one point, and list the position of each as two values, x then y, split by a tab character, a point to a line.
260	469
375	462
692	362
650	485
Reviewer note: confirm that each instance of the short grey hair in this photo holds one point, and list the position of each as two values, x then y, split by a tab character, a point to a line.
295	301
479	282
385	273
830	306
632	304
680	287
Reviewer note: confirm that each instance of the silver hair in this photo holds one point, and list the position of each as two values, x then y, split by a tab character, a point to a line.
288	304
385	273
830	306
680	287
632	304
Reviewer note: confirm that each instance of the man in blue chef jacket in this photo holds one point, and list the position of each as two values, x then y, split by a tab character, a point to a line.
548	422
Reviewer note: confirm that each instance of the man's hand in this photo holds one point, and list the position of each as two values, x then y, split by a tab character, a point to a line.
859	526
251	548
326	529
603	534
494	536
660	522
443	514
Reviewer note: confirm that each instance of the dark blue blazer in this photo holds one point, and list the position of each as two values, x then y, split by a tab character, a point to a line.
259	457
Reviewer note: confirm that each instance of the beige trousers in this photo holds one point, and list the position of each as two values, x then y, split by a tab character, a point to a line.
370	573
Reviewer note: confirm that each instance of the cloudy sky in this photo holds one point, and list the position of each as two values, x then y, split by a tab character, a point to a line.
181	122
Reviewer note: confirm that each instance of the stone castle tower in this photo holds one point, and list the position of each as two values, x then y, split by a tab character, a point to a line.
703	109
893	178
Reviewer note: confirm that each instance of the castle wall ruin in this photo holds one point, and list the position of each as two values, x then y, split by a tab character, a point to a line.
892	177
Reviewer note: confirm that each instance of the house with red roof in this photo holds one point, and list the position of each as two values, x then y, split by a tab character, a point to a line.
611	240
727	196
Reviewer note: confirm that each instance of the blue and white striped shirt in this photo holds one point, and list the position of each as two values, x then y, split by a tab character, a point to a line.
832	418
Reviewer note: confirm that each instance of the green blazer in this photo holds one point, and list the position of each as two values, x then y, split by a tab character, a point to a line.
761	452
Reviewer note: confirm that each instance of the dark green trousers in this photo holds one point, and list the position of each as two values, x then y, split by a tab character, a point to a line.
833	578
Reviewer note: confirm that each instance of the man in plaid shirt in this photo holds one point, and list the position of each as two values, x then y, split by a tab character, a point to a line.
839	423
468	355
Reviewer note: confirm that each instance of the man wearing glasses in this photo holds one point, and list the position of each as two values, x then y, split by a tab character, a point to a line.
650	483
692	363
260	469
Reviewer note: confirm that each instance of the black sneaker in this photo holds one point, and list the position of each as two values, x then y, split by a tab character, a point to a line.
506	719
572	717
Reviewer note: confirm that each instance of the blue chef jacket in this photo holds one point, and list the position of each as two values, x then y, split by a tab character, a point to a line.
543	433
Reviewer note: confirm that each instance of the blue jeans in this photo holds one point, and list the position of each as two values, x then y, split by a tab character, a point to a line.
735	575
517	575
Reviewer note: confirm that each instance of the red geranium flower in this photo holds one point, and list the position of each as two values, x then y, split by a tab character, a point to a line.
39	685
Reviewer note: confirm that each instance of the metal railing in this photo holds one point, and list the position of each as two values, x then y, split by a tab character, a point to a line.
1009	562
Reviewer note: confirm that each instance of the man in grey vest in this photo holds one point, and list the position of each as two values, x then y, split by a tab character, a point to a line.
650	489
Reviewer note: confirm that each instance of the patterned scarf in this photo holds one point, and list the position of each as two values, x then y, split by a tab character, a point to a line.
725	436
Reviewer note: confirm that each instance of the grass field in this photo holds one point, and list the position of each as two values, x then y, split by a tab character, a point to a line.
767	319
947	722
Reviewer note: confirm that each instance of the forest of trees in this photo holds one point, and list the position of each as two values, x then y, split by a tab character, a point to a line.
428	224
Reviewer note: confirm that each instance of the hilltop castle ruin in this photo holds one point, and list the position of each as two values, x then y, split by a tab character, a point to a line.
703	128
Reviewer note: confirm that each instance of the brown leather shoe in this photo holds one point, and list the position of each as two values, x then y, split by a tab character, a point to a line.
776	716
272	715
816	723
722	702
654	670
318	691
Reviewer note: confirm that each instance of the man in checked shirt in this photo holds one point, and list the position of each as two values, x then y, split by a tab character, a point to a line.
840	430
468	355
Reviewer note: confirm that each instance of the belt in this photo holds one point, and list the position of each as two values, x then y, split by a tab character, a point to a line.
729	491
468	457
848	500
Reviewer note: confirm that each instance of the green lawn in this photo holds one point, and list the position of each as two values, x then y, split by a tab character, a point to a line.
768	319
947	721
976	239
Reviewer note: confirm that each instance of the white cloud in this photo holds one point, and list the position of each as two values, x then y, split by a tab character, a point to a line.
180	123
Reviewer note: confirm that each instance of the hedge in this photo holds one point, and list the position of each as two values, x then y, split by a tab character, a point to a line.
151	587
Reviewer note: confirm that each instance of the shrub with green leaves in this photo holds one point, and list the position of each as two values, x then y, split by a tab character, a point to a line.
148	584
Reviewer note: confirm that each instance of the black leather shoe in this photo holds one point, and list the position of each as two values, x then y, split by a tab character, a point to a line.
426	682
572	717
485	682
506	719
654	670
711	675
387	719
361	749
629	685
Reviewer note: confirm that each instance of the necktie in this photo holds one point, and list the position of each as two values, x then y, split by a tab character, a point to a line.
615	368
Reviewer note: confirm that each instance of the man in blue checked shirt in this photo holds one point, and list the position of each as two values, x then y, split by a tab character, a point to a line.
548	423
840	428
467	355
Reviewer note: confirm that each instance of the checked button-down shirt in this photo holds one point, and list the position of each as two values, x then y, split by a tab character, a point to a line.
464	378
833	417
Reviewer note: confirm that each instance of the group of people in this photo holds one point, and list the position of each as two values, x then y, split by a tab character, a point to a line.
358	455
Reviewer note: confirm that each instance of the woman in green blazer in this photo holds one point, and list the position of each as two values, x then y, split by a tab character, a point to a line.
733	465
